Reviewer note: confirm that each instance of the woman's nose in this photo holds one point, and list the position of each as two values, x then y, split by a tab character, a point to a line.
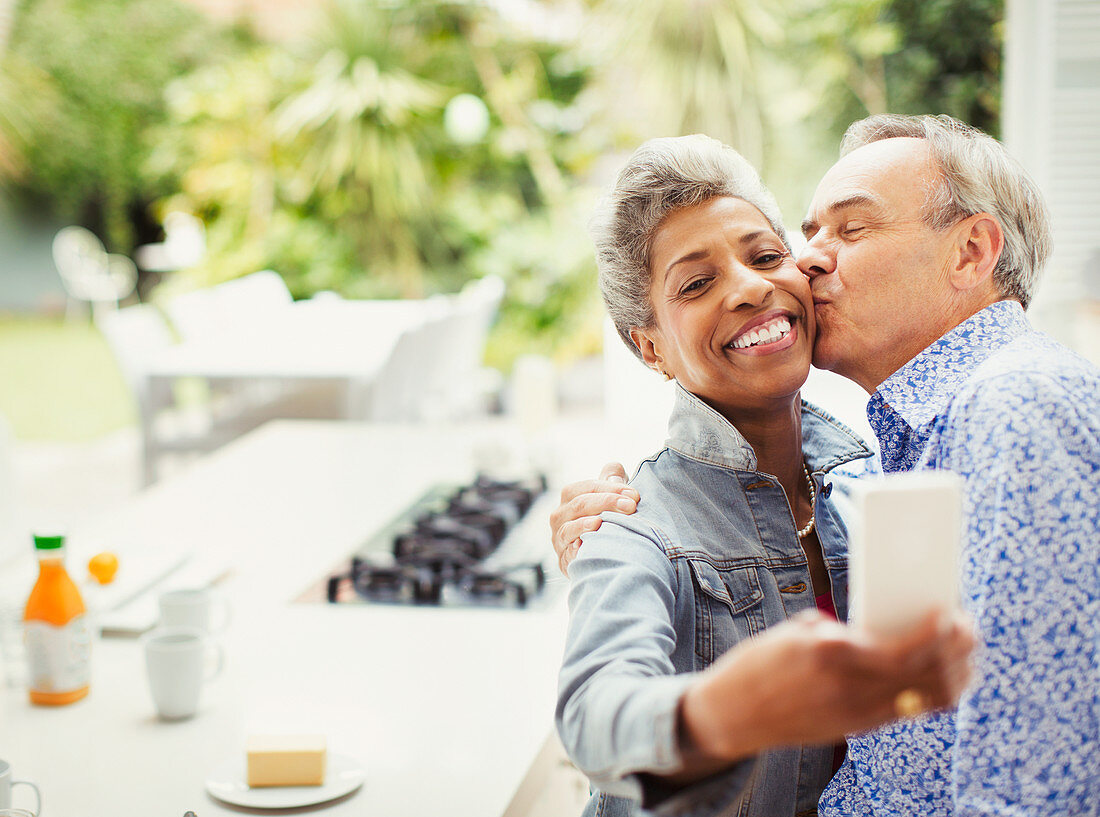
816	258
747	288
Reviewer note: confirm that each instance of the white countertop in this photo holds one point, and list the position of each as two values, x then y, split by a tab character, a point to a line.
444	708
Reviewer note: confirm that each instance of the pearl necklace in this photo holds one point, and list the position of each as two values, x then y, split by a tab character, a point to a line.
804	532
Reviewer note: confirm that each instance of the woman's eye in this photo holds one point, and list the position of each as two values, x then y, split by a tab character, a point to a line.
694	286
769	259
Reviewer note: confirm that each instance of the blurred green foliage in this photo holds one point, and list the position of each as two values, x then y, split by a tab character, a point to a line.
864	57
948	59
331	161
693	67
26	97
336	160
89	75
841	50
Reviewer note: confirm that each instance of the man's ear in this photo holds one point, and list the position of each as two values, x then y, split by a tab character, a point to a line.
648	343
978	244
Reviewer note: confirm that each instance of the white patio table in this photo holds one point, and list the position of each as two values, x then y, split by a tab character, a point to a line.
321	339
266	356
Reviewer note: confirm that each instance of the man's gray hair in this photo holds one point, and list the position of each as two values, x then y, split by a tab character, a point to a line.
663	175
977	175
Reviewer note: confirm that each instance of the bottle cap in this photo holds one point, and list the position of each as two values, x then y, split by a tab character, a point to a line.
48	542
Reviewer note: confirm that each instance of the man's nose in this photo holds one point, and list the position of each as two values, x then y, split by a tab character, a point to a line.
816	259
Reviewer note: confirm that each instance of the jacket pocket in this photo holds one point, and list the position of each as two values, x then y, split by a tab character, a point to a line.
727	608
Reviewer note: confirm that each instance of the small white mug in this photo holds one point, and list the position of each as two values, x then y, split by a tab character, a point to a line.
198	607
178	662
7	784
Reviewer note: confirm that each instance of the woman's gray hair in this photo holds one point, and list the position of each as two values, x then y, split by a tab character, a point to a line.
662	176
977	175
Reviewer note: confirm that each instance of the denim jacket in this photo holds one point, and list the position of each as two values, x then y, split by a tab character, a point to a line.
709	558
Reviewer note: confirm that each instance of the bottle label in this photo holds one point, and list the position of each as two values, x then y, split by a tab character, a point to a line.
58	658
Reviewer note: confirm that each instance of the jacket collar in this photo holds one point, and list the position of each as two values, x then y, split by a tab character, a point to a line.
698	431
920	390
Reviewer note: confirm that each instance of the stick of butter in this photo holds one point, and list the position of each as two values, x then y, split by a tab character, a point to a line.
904	552
286	760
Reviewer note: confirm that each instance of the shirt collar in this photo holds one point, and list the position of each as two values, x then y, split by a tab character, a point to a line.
698	431
921	389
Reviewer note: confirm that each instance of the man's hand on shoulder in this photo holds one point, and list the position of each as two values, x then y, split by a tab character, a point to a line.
581	505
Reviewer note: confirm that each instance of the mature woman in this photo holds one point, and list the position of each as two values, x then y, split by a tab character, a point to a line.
660	702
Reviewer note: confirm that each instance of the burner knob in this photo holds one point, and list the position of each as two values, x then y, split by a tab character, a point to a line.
402	545
428	588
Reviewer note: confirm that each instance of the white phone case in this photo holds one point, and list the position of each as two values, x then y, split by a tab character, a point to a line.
904	549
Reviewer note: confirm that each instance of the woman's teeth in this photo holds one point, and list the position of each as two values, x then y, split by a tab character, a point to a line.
769	332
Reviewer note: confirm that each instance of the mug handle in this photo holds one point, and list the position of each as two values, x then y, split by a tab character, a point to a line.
37	794
219	662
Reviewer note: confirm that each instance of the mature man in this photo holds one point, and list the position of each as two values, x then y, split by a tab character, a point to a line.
924	245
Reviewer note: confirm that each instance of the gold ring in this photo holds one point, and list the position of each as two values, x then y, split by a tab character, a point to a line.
909	703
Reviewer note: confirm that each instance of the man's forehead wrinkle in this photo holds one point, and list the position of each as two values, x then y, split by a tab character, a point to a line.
860	198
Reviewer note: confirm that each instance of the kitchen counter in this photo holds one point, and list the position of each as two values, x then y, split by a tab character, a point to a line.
446	709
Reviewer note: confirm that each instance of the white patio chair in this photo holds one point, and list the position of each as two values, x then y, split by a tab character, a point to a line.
462	383
89	273
402	389
136	335
242	305
235	304
435	371
184	245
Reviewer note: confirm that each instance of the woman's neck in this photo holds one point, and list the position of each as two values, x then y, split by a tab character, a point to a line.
775	435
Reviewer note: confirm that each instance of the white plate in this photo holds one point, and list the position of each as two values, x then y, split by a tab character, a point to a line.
229	783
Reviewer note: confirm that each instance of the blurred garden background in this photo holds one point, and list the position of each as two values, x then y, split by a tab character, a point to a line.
400	148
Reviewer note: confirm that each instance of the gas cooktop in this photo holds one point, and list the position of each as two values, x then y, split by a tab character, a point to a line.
467	545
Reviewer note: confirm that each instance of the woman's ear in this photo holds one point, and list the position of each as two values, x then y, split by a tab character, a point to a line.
648	342
978	244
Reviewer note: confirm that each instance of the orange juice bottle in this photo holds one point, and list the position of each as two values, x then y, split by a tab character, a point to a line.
55	627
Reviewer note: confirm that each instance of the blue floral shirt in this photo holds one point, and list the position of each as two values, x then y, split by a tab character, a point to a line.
1018	416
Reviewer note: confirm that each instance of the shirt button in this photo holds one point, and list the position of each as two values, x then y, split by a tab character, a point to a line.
826	489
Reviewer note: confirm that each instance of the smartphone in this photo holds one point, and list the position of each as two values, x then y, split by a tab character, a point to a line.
904	549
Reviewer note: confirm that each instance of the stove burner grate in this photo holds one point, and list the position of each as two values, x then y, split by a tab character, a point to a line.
439	555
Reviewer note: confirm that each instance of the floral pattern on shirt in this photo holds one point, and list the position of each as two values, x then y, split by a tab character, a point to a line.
1018	416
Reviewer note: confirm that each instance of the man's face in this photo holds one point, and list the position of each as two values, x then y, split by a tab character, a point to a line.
878	273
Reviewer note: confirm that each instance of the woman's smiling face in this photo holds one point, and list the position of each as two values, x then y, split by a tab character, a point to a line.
734	319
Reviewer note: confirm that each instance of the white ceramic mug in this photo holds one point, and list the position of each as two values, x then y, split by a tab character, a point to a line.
199	607
7	784
179	660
